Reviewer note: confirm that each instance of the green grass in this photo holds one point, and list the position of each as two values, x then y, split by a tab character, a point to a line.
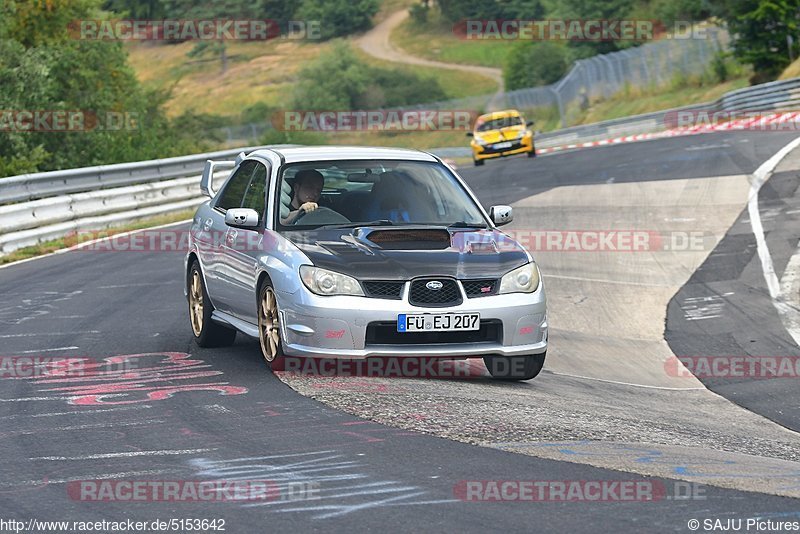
436	40
635	102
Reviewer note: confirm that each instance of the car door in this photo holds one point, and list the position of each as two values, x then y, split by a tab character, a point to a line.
243	246
219	276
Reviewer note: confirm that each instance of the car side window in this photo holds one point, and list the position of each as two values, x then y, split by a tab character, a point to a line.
232	195
255	195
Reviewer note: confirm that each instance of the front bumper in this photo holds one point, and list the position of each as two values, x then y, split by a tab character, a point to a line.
336	327
519	146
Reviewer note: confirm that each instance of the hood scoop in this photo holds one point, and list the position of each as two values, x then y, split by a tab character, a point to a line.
406	238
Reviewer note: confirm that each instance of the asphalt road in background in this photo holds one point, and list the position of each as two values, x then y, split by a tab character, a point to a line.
179	412
725	308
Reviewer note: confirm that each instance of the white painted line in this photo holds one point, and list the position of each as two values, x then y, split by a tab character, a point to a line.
52	333
166	452
788	314
628	383
131	285
25	399
38	351
101	476
77	412
788	302
69	398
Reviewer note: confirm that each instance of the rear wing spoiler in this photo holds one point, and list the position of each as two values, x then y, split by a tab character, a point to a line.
206	181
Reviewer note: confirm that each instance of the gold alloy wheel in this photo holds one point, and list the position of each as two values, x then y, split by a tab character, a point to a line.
196	303
269	325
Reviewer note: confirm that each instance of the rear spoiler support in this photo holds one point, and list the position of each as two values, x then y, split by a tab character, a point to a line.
206	182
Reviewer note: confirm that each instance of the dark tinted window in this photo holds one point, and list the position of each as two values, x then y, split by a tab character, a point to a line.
236	185
254	197
497	124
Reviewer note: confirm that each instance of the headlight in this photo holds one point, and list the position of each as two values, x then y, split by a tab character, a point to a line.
481	141
524	279
324	282
522	134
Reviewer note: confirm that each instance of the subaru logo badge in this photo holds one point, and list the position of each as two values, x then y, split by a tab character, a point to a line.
434	285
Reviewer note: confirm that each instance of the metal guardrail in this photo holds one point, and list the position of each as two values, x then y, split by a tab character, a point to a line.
46	184
35	208
93	197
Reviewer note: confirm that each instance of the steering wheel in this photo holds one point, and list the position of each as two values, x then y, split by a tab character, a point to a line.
321	215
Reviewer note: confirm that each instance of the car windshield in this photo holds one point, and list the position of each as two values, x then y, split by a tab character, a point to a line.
497	124
372	192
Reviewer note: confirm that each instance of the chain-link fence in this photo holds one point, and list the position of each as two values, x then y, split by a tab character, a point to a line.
644	67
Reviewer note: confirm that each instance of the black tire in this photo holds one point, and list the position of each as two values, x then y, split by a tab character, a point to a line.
515	367
206	332
273	355
532	153
478	162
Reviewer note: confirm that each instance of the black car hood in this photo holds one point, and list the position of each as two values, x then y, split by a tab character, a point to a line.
405	252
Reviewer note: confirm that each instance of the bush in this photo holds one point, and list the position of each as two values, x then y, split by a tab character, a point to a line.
532	64
339	17
280	137
339	80
419	13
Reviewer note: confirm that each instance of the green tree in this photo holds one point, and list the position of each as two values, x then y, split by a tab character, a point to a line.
48	70
458	10
38	22
333	81
338	18
220	9
137	9
532	64
760	29
591	10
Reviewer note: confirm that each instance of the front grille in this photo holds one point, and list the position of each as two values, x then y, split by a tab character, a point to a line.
383	290
448	295
480	288
385	333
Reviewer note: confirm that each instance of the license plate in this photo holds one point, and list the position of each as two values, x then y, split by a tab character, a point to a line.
438	322
507	144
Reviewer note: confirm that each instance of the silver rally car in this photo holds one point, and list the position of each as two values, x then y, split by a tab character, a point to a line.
354	252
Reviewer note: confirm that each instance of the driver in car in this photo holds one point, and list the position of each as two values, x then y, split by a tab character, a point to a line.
307	190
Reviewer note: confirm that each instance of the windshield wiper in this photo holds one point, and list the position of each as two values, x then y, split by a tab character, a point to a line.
462	224
379	222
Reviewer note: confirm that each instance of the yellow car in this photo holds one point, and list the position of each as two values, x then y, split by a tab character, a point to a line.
501	133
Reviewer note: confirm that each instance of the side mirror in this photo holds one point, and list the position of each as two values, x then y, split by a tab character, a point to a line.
470	134
530	123
501	214
241	218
